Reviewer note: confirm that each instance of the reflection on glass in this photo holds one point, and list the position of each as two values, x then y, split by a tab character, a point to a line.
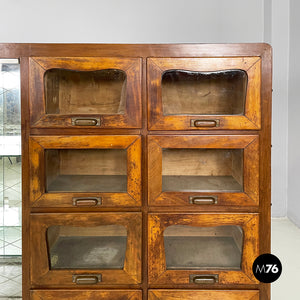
10	180
204	93
86	92
202	170
191	248
10	159
101	247
87	170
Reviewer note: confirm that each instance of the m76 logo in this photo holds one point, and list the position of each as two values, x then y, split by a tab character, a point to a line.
267	269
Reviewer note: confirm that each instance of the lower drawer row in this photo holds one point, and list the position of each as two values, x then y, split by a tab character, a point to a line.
152	294
70	249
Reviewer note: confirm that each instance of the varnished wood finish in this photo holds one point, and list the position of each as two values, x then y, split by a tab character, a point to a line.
265	165
203	294
38	144
157	223
130	118
42	275
158	121
260	127
24	62
86	294
249	144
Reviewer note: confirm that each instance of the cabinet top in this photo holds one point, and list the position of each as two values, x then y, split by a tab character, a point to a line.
17	50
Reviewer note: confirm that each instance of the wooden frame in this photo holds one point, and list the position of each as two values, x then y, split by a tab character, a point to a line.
157	66
25	52
250	145
203	294
42	275
86	294
38	144
39	65
158	222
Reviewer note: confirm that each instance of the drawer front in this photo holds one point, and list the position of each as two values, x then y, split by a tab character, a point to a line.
85	92
93	249
85	294
85	171
203	295
202	171
202	249
204	93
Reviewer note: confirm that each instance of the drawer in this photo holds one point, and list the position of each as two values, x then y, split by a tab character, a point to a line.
202	249
79	249
85	92
85	171
86	294
204	93
200	171
203	295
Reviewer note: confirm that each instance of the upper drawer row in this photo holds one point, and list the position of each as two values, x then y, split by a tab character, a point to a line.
183	93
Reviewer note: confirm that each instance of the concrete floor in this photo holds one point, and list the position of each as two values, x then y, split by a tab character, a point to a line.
286	246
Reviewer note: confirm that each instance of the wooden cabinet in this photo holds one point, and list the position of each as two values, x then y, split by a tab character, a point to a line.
204	93
203	170
228	244
146	170
85	171
85	294
102	92
85	249
203	294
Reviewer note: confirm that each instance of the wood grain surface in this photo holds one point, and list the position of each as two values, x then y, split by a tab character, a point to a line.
60	163
158	223
86	294
143	116
42	275
207	294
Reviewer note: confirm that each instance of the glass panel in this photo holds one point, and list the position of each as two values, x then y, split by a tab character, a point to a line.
87	92
101	247
191	248
10	180
87	170
202	170
204	93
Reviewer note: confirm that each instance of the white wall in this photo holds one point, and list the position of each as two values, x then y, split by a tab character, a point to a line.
280	43
293	113
131	21
166	21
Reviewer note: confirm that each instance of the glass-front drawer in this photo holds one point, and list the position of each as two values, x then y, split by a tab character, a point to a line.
85	171
203	170
204	93
201	249
85	92
203	294
85	249
86	294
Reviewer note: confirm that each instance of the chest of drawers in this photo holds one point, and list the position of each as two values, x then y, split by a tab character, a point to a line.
146	170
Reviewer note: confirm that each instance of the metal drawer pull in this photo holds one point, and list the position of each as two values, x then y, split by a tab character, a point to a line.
204	279
203	200
205	123
86	279
86	121
87	201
